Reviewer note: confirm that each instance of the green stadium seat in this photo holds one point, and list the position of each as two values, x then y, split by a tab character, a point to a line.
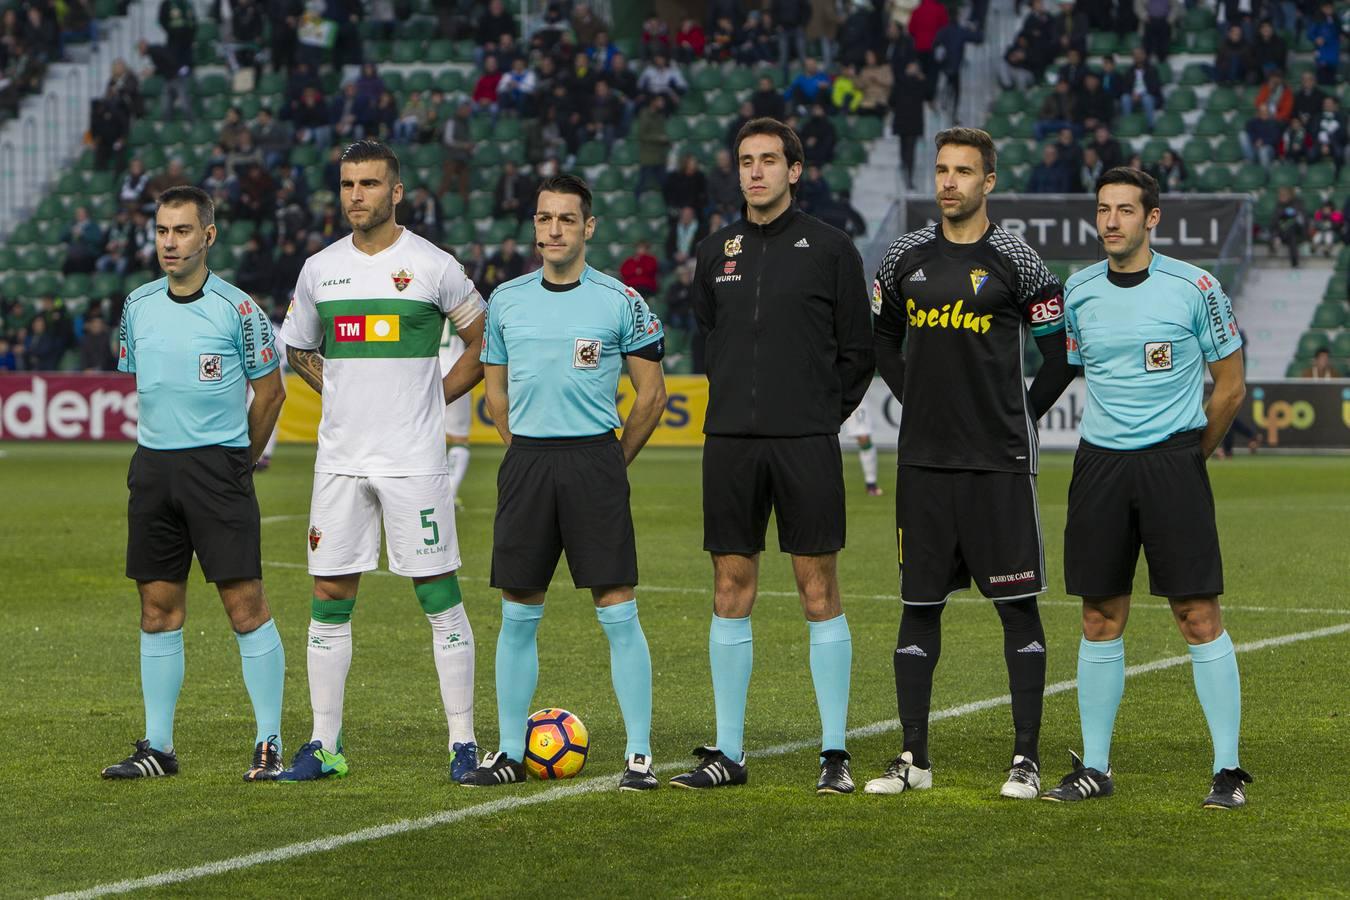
23	233
438	51
652	205
740	80
7	259
623	153
1101	43
1335	291
850	154
16	286
211	85
525	232
1169	125
1212	179
1296	367
841	182
105	284
1131	126
77	284
1023	128
1330	314
1153	149
49	207
153	86
406	52
1197	151
623	206
692	104
480	206
460	232
1251	177
1014	153
1206	42
44	285
1007	103
499	230
419	80
1194	75
480	129
607	231
1182	99
1165	74
1210	124
608	181
484	178
708	78
1227	150
451	81
723	104
213	108
507	130
1340	346
591	153
271	84
1284	175
1311	341
1319	177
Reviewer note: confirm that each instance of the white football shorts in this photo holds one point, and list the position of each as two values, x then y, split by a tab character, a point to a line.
419	524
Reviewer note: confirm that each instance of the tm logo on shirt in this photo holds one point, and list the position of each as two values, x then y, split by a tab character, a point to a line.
365	328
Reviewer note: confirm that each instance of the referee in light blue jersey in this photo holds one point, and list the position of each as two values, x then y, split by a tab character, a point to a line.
195	345
1144	327
552	352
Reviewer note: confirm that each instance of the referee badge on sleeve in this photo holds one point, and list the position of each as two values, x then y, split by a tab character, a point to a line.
876	296
210	367
1157	356
586	354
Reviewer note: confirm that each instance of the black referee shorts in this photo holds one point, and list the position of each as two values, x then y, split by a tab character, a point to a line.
192	501
556	494
1158	497
800	478
959	524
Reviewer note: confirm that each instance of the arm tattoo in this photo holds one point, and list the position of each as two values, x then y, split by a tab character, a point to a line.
308	364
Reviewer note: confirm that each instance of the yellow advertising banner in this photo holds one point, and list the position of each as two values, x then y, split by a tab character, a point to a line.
681	425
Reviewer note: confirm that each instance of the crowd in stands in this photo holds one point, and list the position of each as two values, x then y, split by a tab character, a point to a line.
567	84
33	35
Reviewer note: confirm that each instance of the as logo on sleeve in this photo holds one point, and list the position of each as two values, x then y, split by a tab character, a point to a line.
1047	310
876	296
210	367
1157	356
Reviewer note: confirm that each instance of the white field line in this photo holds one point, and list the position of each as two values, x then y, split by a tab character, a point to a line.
594	785
894	598
268	520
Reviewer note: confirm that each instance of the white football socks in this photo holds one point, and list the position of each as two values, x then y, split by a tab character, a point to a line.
329	658
868	459
452	646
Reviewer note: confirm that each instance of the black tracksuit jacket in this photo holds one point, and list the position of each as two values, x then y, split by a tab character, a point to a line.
785	313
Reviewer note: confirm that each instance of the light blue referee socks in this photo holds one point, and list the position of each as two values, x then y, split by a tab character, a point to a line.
731	653
517	673
161	680
831	662
1214	668
630	666
1101	684
264	661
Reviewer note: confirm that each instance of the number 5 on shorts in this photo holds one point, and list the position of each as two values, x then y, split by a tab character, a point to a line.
430	523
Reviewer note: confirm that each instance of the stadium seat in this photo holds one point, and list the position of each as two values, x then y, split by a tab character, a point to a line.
692	104
451	81
1335	290
1007	103
44	285
1169	125
1210	124
623	206
405	52
1340	345
591	153
1205	43
723	104
419	80
1251	177
740	80
1194	75
1330	314
1227	150
1196	151
1212	179
707	129
211	86
1182	99
480	129
1284	176
1312	341
438	51
1131	126
77	284
652	205
105	284
1014	153
623	153
525	232
460	232
608	181
507	130
1296	367
1319	177
841	182
1101	43
480	206
1153	149
464	51
706	79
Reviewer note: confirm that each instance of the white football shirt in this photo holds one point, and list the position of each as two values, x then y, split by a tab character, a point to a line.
377	320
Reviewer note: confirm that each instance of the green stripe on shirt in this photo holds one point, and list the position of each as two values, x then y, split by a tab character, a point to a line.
419	329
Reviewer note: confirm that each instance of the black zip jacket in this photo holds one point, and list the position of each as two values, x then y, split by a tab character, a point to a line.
785	312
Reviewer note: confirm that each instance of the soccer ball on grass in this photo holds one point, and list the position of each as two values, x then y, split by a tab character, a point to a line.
555	744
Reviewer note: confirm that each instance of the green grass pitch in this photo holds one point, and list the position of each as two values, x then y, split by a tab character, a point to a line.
72	705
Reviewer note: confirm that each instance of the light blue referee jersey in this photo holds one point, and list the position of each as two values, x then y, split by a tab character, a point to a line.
1143	349
562	345
193	357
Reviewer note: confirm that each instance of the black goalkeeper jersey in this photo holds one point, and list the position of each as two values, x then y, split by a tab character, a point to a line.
966	310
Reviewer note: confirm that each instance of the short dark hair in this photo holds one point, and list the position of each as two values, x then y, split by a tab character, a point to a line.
1147	184
1320	350
187	193
792	144
971	137
370	151
568	184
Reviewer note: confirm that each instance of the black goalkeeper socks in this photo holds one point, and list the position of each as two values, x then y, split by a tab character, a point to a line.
916	656
1024	652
